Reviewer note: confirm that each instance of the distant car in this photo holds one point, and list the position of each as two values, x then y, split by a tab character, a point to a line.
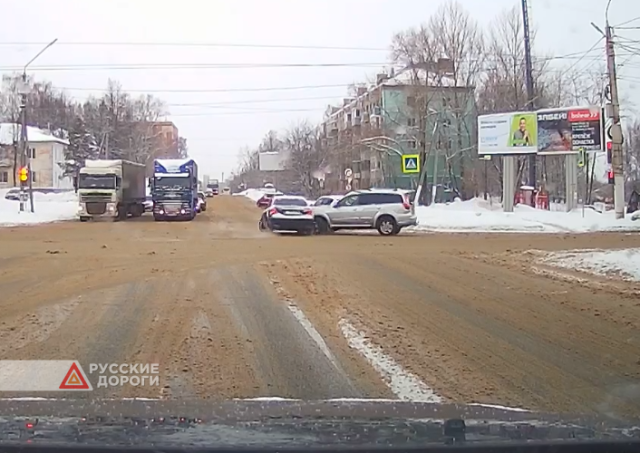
226	190
13	194
202	202
327	200
265	200
288	213
209	193
148	204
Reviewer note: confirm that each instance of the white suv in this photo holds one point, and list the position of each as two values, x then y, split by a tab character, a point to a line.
386	210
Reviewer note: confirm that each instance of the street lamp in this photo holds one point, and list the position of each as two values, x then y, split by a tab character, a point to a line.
24	89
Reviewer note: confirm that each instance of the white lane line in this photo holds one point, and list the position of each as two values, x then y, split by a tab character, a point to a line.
405	385
313	333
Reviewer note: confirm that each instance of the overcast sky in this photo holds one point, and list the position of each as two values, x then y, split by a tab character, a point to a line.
218	123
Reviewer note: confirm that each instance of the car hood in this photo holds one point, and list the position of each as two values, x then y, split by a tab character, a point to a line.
286	423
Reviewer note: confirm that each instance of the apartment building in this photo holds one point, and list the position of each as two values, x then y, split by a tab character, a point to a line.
397	115
46	154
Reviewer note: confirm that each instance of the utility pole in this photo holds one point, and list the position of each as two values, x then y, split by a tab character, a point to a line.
24	145
25	158
529	82
617	158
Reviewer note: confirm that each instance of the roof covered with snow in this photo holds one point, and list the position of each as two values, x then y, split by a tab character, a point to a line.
10	133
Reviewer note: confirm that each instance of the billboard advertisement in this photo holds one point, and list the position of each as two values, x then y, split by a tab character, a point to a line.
565	131
273	161
508	133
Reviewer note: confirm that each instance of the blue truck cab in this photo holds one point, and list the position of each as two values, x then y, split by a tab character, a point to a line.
174	189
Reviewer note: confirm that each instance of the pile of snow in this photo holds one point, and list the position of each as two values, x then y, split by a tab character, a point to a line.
477	215
623	262
52	207
253	194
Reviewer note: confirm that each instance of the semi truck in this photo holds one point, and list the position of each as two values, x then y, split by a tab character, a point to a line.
214	185
174	189
111	188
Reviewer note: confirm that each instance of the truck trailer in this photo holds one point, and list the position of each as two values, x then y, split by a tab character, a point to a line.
174	189
111	188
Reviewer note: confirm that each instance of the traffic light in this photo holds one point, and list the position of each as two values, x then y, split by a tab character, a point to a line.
609	159
23	174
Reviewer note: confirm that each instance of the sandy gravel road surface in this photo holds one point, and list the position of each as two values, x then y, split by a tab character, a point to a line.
229	312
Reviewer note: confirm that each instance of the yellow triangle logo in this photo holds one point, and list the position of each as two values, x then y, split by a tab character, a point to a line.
74	379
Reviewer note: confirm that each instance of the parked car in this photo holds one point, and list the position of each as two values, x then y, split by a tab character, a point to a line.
202	202
385	210
288	213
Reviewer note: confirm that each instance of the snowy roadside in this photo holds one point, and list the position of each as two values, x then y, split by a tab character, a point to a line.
623	263
479	216
48	208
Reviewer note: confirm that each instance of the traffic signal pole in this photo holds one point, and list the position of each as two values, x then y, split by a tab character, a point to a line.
23	144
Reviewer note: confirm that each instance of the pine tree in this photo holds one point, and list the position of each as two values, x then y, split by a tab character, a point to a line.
82	146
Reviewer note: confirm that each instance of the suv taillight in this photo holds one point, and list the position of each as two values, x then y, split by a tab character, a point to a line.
273	211
405	203
307	212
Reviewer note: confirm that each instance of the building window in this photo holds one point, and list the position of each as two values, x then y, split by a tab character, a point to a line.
4	176
412	144
168	136
33	176
31	152
411	101
411	122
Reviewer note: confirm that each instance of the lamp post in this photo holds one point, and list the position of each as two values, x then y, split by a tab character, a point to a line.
25	157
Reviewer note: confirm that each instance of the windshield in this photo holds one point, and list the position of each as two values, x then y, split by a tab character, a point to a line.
471	246
172	183
289	202
88	181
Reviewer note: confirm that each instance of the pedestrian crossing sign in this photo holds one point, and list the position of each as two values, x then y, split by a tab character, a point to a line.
411	163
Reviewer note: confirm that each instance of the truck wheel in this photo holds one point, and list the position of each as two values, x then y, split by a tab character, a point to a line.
84	219
122	213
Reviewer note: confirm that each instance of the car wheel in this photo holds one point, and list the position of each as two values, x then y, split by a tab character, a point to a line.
387	226
262	226
322	226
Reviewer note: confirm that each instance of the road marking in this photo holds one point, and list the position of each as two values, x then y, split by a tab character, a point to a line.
313	333
405	385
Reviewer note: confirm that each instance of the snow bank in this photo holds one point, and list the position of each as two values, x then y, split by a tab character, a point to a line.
624	262
477	215
48	208
253	194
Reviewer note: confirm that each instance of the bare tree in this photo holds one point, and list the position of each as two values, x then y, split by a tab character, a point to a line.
306	155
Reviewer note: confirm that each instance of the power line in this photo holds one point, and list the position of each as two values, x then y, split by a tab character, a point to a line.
255	101
219	90
168	66
192	44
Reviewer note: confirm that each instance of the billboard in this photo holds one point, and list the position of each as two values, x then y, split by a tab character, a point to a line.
508	133
273	161
565	131
546	131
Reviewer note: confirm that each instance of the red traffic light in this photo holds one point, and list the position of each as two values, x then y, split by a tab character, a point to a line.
23	174
610	176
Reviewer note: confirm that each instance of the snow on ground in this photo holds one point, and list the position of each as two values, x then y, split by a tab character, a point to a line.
478	215
48	208
624	263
